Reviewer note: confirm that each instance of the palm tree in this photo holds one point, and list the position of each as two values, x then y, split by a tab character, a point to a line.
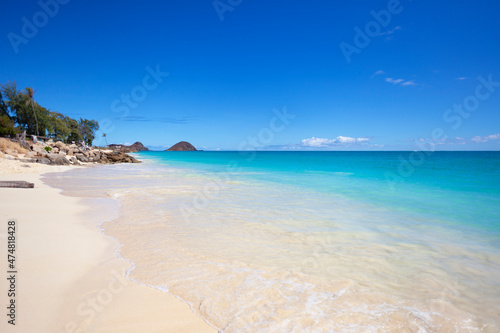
30	93
104	136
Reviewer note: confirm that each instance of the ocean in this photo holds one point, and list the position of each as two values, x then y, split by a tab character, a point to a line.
311	241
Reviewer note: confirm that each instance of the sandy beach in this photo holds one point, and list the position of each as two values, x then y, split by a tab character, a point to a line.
69	278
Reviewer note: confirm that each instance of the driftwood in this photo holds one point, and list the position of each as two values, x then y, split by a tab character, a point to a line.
16	184
21	138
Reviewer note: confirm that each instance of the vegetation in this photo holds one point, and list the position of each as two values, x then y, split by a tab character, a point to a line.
20	112
6	126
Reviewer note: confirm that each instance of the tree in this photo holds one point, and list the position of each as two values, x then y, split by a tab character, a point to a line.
18	108
74	129
23	113
11	98
4	110
105	140
59	127
88	129
6	126
29	94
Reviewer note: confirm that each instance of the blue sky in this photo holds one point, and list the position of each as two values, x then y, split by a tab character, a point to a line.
423	75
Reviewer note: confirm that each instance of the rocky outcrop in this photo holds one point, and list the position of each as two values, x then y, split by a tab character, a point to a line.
182	146
133	148
59	153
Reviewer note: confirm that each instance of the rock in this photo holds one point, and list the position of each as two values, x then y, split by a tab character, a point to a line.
121	158
104	159
62	154
43	160
61	160
60	145
57	159
182	146
81	157
28	160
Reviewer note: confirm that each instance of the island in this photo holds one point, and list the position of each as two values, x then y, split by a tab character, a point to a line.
182	146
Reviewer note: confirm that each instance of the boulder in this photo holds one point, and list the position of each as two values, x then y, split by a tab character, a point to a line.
60	145
43	160
57	159
81	157
121	158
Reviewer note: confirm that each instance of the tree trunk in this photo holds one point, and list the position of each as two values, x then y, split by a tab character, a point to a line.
36	120
21	138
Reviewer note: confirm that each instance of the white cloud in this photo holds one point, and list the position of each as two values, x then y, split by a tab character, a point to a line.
390	32
480	139
409	83
340	140
380	72
402	82
461	78
317	142
345	139
394	81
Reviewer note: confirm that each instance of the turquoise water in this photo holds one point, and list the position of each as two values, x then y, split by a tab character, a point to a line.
462	188
312	241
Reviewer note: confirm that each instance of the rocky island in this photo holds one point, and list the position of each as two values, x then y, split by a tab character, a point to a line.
133	148
182	146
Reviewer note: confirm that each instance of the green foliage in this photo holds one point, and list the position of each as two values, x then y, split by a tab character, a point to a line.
88	129
3	107
74	128
6	126
59	127
47	149
30	93
22	111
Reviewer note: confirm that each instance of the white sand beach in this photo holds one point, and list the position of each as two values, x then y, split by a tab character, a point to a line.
69	278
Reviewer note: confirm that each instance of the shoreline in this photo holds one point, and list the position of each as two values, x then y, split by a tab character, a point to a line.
70	277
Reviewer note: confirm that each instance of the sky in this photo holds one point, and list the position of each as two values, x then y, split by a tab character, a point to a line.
270	75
